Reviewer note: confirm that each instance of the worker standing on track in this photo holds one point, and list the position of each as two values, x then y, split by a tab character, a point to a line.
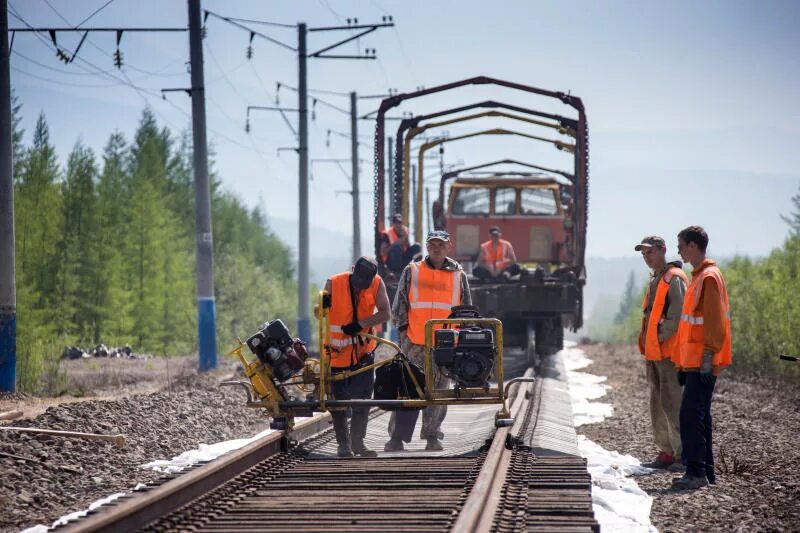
497	258
427	290
658	342
704	337
358	301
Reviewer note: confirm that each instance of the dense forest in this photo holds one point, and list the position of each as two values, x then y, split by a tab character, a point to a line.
765	315
105	251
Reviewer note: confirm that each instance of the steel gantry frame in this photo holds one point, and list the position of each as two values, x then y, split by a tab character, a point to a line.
581	152
416	130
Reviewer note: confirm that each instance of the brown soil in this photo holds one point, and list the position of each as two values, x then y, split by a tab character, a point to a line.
756	445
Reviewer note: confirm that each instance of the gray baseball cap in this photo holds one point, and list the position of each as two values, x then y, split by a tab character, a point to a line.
649	242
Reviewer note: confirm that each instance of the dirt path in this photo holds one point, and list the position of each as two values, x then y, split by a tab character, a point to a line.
757	448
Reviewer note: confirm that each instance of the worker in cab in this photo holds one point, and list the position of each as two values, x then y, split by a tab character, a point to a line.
396	248
427	289
704	340
497	259
357	303
658	343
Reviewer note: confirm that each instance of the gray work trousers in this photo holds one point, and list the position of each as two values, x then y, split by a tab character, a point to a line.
401	423
665	405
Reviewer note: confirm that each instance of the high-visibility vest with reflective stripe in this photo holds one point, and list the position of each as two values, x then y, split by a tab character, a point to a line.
649	346
341	313
499	257
431	294
691	331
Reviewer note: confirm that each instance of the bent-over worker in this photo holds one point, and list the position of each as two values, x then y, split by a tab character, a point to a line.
427	290
358	302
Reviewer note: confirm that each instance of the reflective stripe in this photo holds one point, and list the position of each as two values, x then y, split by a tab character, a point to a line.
414	282
456	287
341	343
430	305
336	329
693	320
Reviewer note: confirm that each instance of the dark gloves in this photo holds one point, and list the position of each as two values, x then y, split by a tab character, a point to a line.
326	301
352	329
706	376
681	378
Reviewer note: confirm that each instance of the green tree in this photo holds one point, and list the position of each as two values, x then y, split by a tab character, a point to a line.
77	309
110	296
628	300
793	219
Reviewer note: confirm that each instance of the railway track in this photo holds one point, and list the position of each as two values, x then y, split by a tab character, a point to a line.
503	483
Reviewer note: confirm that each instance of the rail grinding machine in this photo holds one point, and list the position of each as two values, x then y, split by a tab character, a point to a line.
284	381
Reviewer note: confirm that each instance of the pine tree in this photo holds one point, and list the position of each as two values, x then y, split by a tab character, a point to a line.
794	217
78	312
628	300
110	297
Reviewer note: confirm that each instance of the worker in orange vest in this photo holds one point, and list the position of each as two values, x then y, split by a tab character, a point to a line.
427	289
396	248
358	302
658	343
704	338
497	258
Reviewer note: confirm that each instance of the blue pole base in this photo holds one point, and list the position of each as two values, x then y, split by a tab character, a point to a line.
304	330
395	335
8	351
207	333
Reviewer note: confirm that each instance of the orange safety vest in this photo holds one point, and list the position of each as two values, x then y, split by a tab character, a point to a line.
391	234
649	346
500	257
691	332
341	314
431	294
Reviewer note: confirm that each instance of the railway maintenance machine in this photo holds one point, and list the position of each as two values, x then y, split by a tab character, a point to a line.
542	211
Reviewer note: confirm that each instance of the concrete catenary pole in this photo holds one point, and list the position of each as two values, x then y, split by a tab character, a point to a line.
354	176
303	296
8	297
206	312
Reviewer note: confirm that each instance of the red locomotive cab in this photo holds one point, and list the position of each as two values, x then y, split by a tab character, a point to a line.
532	213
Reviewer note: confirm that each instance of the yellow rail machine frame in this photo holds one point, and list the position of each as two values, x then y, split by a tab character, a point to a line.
263	392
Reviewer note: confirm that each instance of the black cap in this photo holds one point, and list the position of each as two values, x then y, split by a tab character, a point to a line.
363	272
649	242
440	234
495	230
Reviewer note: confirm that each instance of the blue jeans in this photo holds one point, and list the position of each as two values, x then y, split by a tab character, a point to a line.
695	422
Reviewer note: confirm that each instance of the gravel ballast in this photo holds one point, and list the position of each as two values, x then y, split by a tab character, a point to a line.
61	475
756	445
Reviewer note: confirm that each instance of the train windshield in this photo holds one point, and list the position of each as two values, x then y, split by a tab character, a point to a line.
505	201
471	201
538	202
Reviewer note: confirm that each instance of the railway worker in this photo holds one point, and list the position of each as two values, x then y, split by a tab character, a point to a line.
427	289
396	248
497	258
358	302
658	343
704	338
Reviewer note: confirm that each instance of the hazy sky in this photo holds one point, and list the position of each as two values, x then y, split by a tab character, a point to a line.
692	106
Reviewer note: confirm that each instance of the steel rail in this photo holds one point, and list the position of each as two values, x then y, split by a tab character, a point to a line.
477	514
143	508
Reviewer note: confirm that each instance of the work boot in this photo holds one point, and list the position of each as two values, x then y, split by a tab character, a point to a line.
689	482
342	435
434	445
662	462
394	445
677	467
358	430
